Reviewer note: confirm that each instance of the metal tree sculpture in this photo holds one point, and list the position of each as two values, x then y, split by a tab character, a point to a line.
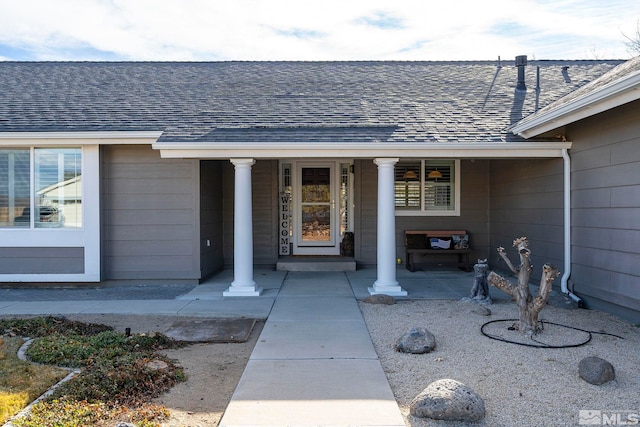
528	306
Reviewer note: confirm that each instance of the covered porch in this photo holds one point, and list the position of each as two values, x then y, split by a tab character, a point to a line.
378	225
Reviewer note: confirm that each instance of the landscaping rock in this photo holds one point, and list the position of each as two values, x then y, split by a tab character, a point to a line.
157	365
449	400
595	370
380	299
416	341
482	311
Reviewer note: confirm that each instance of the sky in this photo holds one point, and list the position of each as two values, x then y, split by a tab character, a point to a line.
309	30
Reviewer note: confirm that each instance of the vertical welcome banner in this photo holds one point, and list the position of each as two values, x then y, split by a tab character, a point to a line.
283	243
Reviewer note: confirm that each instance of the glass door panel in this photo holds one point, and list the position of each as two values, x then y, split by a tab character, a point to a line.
316	223
316	207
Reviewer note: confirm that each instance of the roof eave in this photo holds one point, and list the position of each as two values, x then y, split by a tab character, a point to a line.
271	150
605	98
75	138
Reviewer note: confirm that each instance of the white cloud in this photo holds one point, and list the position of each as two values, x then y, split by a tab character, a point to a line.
312	30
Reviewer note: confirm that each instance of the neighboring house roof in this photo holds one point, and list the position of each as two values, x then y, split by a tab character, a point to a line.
271	102
70	189
615	88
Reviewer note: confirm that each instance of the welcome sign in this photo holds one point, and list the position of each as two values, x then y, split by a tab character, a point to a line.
284	224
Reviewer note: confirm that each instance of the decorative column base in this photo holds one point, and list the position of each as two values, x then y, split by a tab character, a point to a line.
242	291
391	289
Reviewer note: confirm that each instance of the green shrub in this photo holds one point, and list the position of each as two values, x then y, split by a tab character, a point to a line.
125	380
77	351
44	326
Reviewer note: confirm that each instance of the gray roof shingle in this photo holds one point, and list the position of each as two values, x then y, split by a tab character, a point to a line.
626	69
429	102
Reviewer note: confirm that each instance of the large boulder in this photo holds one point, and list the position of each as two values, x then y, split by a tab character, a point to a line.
449	400
417	341
595	370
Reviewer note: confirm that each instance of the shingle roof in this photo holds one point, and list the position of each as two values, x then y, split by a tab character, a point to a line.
587	95
285	101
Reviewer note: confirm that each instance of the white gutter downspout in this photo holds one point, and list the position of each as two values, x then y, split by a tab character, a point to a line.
567	230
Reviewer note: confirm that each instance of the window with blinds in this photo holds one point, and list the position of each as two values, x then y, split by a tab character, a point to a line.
426	186
408	185
15	184
57	198
58	186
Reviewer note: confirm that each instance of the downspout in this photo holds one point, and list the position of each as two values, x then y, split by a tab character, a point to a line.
567	230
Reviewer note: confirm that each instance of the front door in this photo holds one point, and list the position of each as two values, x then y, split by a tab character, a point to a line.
316	219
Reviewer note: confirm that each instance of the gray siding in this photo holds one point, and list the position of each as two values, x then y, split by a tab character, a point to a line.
264	183
526	199
42	260
366	211
606	210
211	202
150	215
473	217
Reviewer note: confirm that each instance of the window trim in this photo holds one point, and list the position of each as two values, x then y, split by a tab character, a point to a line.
456	192
87	237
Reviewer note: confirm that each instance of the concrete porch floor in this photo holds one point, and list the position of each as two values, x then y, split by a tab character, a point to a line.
206	299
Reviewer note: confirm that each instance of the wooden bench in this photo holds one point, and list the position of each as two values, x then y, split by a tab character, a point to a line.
416	243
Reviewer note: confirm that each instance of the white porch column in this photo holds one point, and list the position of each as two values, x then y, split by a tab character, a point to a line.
386	245
243	284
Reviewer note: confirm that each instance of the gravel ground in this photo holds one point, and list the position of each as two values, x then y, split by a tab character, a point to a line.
521	386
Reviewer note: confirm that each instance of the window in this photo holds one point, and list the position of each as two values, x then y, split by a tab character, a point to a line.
56	198
14	188
345	198
427	187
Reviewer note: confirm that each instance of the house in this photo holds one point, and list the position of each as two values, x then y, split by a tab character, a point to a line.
182	169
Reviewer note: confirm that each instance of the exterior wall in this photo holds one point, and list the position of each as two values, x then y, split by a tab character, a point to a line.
606	210
150	215
264	183
365	223
42	260
211	214
526	199
473	211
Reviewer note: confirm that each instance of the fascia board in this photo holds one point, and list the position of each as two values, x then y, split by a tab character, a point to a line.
75	138
605	98
359	150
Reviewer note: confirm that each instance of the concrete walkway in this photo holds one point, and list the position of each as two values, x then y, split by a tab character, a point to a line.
314	363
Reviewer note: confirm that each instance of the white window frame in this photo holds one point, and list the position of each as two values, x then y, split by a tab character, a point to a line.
431	212
87	236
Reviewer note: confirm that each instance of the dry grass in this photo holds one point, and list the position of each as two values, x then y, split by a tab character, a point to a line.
21	382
